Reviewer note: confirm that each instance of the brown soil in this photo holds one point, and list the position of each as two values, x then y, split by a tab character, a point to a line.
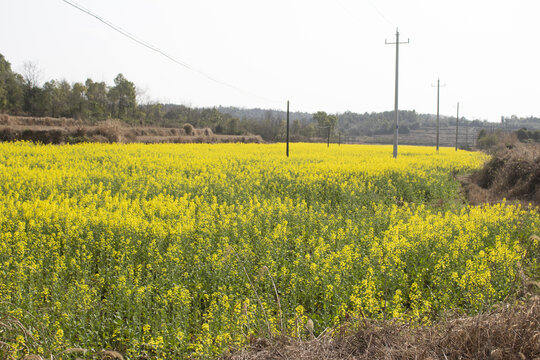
62	130
508	332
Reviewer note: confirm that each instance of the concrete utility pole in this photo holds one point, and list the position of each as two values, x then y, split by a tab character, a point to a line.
396	120
457	125
287	128
438	87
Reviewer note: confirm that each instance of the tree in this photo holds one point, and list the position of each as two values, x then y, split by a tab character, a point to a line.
96	95
11	88
123	98
153	113
332	122
326	122
34	100
320	118
296	126
31	74
78	101
52	100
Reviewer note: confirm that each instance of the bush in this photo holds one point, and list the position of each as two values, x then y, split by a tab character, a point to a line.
487	140
188	128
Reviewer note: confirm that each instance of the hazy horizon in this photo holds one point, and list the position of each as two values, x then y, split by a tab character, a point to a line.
319	55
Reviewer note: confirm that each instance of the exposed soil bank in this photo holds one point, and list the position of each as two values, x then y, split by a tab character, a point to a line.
513	173
507	332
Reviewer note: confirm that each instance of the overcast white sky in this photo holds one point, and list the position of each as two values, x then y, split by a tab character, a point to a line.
325	55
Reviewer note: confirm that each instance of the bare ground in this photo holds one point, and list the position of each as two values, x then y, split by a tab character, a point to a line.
512	173
506	332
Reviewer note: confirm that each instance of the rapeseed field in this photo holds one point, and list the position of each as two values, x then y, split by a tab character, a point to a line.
174	251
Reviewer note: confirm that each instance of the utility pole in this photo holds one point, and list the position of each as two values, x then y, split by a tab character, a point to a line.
328	143
287	128
438	87
396	120
457	125
467	136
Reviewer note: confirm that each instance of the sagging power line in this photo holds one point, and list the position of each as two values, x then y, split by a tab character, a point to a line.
381	13
159	51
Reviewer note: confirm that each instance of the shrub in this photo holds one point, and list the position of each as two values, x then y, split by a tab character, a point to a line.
188	128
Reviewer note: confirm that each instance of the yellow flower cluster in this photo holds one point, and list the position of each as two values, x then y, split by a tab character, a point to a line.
171	251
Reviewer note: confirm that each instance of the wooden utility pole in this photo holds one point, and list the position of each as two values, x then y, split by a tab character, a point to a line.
328	143
396	119
287	128
457	125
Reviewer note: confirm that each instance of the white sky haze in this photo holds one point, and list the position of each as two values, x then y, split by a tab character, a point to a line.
325	55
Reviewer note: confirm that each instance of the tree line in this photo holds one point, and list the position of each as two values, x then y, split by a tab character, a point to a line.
93	101
22	95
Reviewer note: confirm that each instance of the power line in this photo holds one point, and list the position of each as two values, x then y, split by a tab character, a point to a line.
348	11
157	50
353	14
381	14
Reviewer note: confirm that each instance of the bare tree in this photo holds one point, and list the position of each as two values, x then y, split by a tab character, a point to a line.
32	74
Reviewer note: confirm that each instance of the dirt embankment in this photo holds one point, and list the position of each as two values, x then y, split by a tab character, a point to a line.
64	130
508	332
512	173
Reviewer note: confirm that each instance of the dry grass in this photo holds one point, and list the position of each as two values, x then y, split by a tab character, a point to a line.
507	332
61	131
188	128
512	173
8	120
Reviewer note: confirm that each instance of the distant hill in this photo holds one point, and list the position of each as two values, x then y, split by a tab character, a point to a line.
263	114
92	102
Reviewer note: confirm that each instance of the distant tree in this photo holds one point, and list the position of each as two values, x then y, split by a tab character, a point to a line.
320	118
123	98
296	127
332	122
482	133
522	134
34	100
78	102
52	98
233	126
63	93
310	130
11	88
96	95
218	129
32	74
325	122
